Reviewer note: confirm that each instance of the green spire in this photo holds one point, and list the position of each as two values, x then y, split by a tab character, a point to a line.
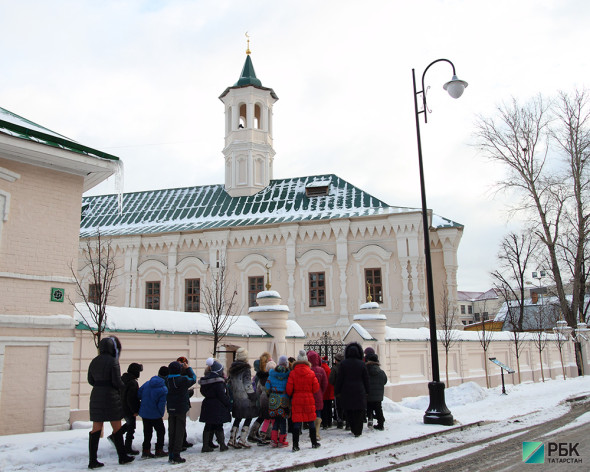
248	76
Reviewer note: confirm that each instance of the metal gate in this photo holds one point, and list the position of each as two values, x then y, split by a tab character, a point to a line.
326	346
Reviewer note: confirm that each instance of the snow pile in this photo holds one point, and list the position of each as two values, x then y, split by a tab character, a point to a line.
463	394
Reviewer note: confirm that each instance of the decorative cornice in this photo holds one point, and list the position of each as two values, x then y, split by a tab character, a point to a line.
39	278
8	175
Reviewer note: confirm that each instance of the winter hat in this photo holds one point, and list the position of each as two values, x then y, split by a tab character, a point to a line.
302	356
257	365
163	372
182	360
174	368
215	366
270	365
242	354
373	358
339	357
134	369
369	351
283	360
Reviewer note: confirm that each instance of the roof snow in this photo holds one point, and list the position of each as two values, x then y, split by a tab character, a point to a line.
211	207
156	321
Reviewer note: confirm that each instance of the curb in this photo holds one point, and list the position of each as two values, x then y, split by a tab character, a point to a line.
372	450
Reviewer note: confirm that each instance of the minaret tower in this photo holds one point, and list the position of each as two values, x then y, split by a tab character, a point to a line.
248	147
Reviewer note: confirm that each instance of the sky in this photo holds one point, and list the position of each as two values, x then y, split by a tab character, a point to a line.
141	80
532	403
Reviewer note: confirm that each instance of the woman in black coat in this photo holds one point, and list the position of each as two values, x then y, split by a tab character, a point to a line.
104	374
215	409
352	386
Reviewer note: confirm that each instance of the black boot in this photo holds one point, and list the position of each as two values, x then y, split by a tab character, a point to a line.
211	443
93	439
295	441
129	445
314	438
220	435
207	438
120	446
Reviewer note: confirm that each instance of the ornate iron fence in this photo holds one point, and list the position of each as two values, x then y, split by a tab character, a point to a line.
326	346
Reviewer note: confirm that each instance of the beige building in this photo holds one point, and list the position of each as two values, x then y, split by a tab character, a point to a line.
325	242
42	178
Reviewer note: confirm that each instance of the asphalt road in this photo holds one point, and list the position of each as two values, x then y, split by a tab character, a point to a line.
505	452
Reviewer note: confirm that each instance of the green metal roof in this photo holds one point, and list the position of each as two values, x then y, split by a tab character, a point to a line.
248	79
211	207
248	76
19	127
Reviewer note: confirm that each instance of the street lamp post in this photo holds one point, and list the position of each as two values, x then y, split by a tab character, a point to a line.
437	412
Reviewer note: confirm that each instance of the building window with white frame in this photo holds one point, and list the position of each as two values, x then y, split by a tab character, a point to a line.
152	295
192	295
317	289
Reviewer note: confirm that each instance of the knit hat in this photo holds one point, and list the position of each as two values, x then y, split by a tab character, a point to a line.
301	356
174	368
163	372
182	360
216	367
270	365
373	358
242	354
339	357
369	351
134	369
257	365
283	360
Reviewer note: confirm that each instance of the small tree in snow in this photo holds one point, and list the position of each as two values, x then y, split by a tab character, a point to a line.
99	262
220	299
485	337
447	326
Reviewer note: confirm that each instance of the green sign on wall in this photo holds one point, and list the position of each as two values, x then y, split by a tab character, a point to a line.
57	294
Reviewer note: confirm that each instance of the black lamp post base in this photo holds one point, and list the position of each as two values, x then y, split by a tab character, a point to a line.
437	412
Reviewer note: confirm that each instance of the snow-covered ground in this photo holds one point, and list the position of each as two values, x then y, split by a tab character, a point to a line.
68	450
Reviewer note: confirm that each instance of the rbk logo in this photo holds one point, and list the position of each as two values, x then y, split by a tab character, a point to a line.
533	452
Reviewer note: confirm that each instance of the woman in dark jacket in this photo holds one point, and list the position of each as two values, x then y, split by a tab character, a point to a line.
244	398
215	409
104	374
352	384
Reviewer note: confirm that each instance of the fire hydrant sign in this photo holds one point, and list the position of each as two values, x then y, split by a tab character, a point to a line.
57	294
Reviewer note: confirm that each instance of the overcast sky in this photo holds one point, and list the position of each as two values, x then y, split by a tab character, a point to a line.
141	80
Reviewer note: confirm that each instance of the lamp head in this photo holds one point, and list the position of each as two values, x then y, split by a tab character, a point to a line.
455	87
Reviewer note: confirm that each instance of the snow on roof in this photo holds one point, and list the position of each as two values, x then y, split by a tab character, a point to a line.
211	207
268	308
318	183
268	294
363	333
423	334
144	320
369	305
374	316
13	118
294	330
442	222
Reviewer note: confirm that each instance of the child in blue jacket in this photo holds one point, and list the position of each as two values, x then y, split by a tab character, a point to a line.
153	403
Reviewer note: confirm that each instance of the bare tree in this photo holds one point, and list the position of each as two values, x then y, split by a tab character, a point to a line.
485	337
220	299
542	317
515	255
99	263
447	323
553	191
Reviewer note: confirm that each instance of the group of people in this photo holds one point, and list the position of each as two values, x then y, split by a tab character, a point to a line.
266	400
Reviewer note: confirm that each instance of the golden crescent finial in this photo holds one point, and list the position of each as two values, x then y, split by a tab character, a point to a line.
248	47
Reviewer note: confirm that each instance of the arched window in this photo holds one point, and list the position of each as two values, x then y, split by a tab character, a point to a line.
257	116
242	121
